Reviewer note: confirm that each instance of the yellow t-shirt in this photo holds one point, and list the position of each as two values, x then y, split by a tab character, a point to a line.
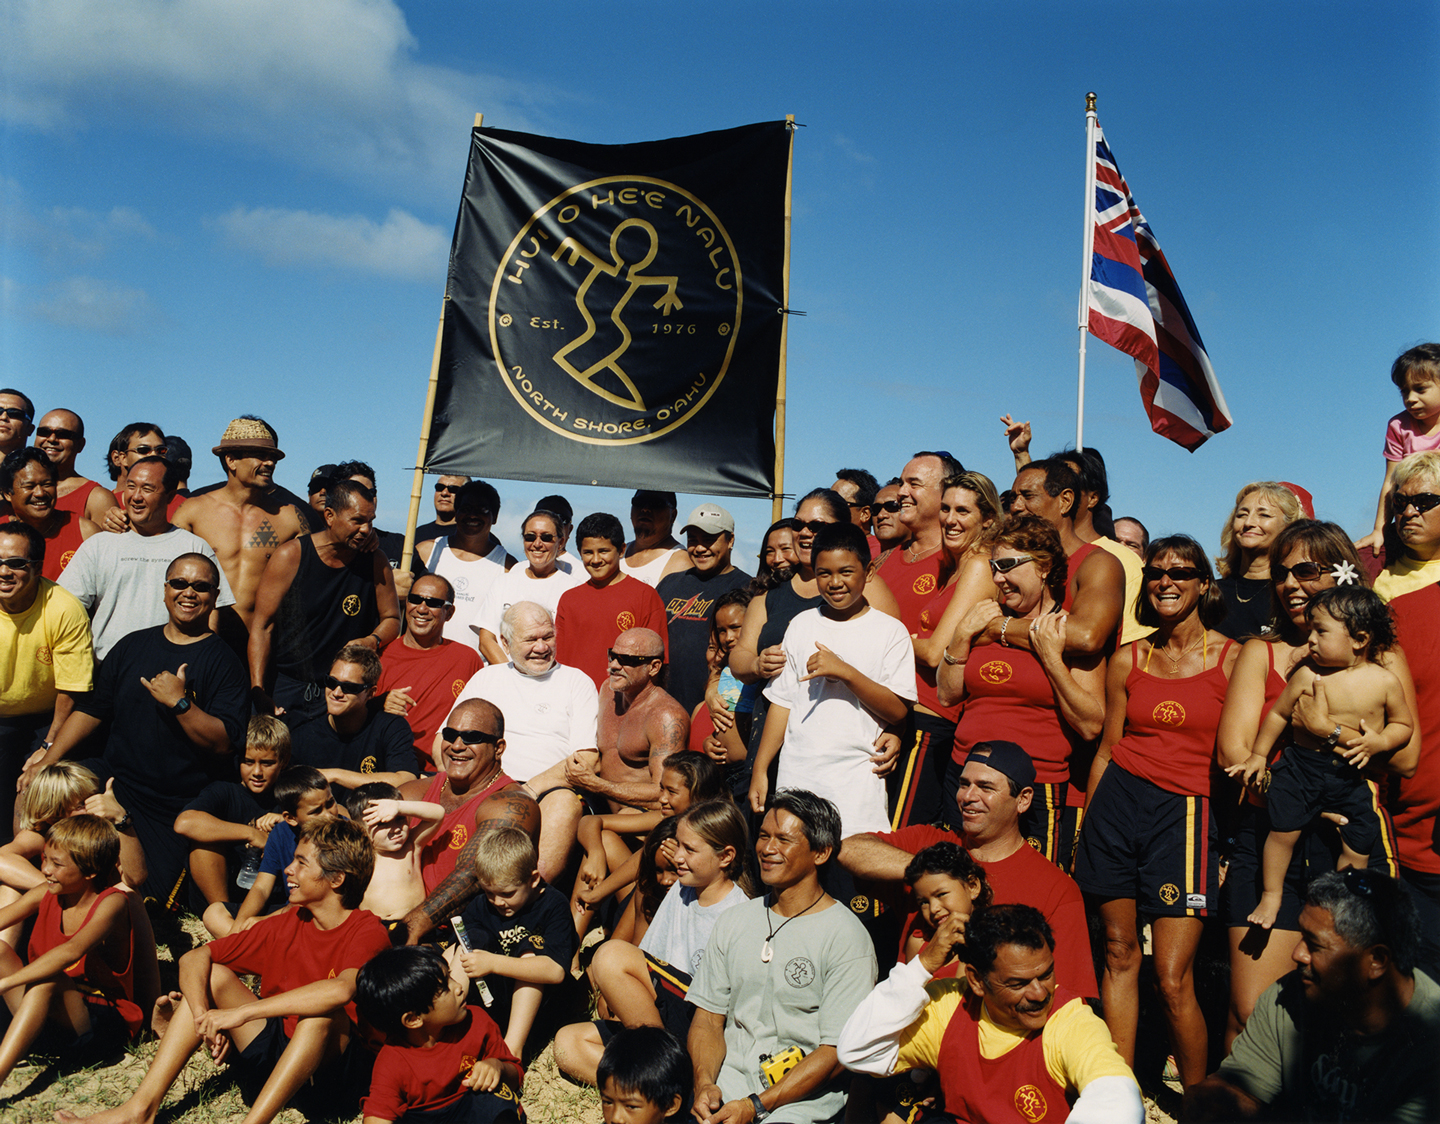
1131	629
1076	1042
44	650
1406	576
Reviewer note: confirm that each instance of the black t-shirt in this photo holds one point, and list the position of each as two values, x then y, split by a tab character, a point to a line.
231	802
383	745
542	927
147	748
689	606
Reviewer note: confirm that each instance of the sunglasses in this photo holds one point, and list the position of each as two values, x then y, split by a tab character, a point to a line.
148	450
469	737
631	661
1420	501
1303	571
349	688
61	434
17	563
15	413
428	602
199	587
814	526
892	506
450	489
1005	565
541	536
1176	574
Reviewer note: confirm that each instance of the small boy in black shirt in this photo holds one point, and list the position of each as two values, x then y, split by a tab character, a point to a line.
520	932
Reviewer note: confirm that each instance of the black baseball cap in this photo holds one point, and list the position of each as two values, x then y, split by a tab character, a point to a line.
323	476
1007	758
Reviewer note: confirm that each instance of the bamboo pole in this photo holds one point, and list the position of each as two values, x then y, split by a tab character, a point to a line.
777	499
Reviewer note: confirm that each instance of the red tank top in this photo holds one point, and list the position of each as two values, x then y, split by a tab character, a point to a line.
1015	1088
59	547
1072	566
97	977
1008	695
925	676
75	501
437	857
1170	727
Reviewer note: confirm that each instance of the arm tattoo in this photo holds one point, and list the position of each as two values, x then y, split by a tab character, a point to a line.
459	887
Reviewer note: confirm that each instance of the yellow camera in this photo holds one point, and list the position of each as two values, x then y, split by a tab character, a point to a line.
775	1066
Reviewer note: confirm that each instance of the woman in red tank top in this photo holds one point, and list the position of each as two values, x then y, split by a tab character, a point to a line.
1148	851
1045	699
1305	559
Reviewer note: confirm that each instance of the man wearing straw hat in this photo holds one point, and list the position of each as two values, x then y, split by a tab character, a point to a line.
245	519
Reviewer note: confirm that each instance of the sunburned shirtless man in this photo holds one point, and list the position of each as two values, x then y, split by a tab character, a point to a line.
244	521
640	725
61	437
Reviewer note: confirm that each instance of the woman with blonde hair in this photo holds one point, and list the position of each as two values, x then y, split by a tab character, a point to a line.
1262	510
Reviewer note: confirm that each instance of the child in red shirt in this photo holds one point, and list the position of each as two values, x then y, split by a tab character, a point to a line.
443	1062
82	942
307	958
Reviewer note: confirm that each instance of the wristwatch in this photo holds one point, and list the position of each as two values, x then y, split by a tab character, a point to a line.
1334	739
181	707
760	1110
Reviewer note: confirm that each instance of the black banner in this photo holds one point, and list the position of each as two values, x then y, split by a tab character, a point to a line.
613	312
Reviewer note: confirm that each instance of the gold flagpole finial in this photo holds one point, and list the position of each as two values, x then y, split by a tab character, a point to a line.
1090	102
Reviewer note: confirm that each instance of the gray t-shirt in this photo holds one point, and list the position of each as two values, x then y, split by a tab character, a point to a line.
120	579
1295	1057
822	966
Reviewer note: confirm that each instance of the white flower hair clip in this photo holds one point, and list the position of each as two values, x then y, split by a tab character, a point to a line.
1345	574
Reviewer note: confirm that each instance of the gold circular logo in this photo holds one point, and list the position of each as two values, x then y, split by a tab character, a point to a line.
625	621
926	621
45	656
459	836
1030	1103
1035	843
1169	713
615	309
367	765
924	584
1169	893
351	606
996	671
860	904
456	687
65	558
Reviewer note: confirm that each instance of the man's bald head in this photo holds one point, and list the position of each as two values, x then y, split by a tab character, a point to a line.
478	714
643	641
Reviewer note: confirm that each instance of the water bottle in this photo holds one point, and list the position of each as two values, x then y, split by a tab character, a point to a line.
246	878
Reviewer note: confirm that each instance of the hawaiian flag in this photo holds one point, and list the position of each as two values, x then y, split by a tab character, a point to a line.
1136	306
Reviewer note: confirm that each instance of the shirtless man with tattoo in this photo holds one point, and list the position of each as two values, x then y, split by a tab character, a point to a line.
640	725
244	521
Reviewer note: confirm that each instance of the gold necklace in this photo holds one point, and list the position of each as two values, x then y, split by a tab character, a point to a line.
1175	660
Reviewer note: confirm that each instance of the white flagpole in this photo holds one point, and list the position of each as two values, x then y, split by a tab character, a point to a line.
1089	244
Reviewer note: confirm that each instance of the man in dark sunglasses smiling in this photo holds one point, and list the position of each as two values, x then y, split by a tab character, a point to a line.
347	743
421	672
17	420
175	698
61	437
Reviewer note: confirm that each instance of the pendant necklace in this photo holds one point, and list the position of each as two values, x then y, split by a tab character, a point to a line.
766	952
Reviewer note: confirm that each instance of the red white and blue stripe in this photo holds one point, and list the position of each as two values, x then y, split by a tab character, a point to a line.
1135	306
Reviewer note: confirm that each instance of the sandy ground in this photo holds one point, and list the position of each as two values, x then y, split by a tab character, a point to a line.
204	1094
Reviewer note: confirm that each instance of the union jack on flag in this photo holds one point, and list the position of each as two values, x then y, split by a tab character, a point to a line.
1135	306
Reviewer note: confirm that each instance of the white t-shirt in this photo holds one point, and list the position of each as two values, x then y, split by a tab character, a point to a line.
517	585
120	579
651	572
830	736
681	928
471	581
547	717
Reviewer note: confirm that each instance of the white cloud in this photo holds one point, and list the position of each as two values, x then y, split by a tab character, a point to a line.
851	149
401	246
66	233
326	83
89	304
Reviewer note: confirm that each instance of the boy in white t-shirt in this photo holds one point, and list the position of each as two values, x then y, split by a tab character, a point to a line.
849	673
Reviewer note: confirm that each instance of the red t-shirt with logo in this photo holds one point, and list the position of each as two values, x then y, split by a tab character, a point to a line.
288	950
434	677
412	1079
588	620
437	857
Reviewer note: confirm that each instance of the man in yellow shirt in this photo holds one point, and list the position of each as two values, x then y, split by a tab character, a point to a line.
45	654
1005	1043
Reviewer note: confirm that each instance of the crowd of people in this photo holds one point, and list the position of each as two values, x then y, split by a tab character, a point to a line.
934	816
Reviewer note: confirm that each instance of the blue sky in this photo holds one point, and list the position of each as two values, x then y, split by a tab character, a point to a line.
213	207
